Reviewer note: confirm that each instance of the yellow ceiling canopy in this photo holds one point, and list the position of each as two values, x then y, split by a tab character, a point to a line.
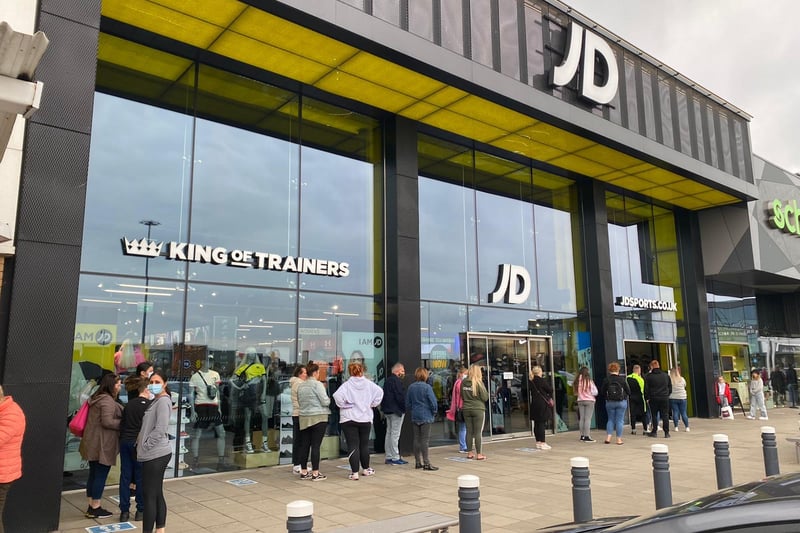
246	34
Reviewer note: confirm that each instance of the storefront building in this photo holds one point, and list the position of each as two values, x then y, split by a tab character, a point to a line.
425	182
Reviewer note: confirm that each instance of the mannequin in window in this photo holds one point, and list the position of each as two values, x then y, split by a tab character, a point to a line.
204	385
251	377
272	385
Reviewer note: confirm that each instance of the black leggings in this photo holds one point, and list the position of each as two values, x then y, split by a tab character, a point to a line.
311	439
538	430
155	507
357	435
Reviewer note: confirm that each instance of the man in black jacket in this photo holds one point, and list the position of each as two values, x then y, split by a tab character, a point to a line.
657	388
393	406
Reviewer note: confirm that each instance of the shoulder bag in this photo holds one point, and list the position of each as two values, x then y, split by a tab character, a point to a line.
211	390
546	397
78	423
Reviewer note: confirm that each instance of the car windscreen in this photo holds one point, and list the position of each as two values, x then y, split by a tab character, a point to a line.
787	486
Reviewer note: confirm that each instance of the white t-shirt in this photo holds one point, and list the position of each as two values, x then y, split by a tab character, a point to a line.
211	377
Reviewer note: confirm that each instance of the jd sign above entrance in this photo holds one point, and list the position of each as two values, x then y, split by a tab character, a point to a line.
593	47
513	285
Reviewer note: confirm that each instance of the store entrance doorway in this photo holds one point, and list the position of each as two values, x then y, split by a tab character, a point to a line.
507	360
642	352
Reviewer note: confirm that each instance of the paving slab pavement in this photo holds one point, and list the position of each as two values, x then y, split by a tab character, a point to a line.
522	489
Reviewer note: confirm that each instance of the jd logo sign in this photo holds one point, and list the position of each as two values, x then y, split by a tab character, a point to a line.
513	285
594	47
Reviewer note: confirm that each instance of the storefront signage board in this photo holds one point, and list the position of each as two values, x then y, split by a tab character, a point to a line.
784	216
643	303
583	47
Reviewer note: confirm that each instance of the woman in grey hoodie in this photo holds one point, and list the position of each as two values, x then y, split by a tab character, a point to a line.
356	397
154	451
313	401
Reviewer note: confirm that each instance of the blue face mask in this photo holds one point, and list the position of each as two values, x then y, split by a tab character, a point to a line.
155	388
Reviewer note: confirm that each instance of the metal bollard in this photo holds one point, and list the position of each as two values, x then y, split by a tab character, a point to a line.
770	446
581	492
661	478
300	516
722	461
469	504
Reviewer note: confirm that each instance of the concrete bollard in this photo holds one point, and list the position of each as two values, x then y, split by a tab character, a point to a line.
722	461
469	504
661	478
770	446
300	516
581	492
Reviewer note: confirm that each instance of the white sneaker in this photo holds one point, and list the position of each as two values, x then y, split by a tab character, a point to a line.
248	447
545	446
750	417
676	428
687	429
763	418
296	469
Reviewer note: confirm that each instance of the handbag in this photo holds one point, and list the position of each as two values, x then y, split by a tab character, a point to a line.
459	415
211	390
247	392
78	423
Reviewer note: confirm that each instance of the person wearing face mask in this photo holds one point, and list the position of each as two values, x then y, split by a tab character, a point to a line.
144	371
154	451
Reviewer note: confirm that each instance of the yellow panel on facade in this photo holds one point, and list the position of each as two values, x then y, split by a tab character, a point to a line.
580	165
446	96
359	89
690	202
659	176
614	174
162	21
240	89
219	12
140	58
461	125
689	187
491	113
662	193
608	156
288	36
418	110
388	74
716	197
632	183
268	57
556	137
545	180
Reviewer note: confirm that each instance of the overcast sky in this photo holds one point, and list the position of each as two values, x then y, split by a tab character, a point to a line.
744	51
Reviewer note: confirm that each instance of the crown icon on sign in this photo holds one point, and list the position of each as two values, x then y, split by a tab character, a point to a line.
142	247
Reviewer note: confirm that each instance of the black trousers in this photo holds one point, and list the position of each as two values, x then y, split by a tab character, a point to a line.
296	442
357	435
422	435
660	406
155	507
311	439
539	430
3	494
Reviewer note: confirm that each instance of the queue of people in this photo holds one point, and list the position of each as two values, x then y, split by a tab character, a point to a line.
137	432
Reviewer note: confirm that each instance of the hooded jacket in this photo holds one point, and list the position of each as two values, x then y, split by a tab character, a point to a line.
356	397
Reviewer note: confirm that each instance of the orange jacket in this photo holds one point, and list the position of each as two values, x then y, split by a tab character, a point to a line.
12	428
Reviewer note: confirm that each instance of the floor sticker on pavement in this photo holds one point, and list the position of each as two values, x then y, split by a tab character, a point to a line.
529	450
242	481
457	459
121	526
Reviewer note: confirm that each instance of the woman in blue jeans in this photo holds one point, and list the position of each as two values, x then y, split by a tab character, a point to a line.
616	392
677	398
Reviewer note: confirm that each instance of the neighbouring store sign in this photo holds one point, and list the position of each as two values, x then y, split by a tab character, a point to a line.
785	216
513	285
643	303
593	46
217	255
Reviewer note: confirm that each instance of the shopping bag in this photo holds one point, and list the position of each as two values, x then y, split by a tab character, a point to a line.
78	423
727	412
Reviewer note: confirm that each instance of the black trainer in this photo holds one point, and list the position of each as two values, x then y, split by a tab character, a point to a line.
430	467
124	516
138	517
98	513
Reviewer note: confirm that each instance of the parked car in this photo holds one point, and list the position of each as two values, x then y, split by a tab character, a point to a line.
770	505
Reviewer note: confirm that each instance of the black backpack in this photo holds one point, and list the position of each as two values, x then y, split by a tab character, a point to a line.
614	391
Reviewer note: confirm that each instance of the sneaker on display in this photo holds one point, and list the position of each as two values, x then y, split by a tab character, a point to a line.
265	448
248	447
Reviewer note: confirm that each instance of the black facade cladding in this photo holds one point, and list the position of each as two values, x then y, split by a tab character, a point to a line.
45	284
